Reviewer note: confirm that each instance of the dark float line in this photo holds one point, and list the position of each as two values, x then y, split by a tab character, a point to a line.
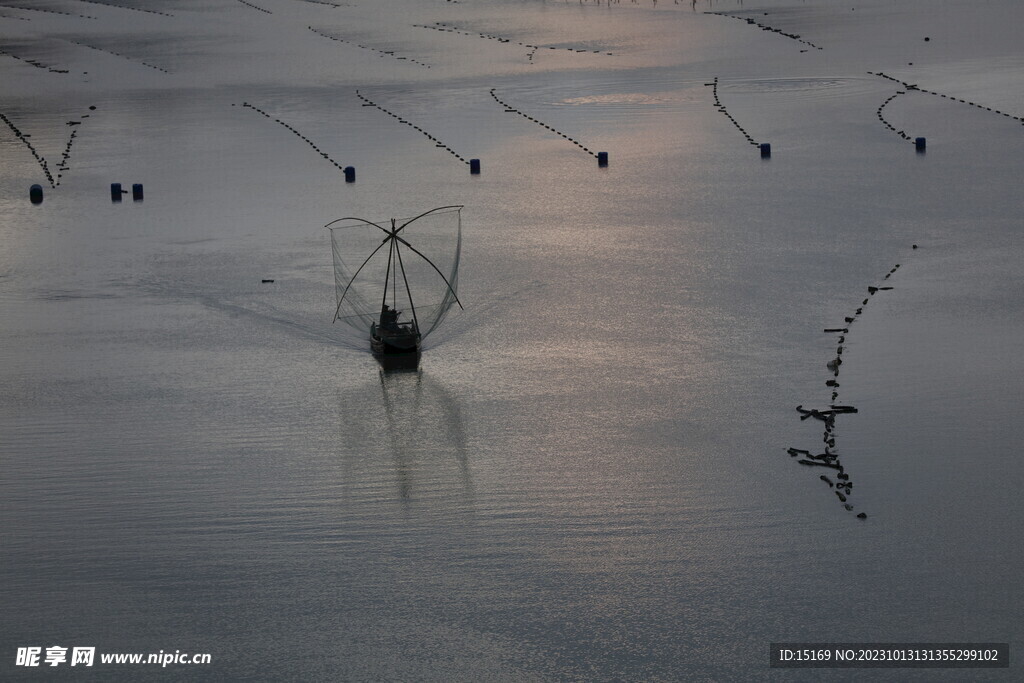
448	28
297	134
40	159
766	27
48	11
134	9
884	121
11	16
118	54
829	458
908	87
367	102
32	62
721	108
511	110
382	53
249	4
328	4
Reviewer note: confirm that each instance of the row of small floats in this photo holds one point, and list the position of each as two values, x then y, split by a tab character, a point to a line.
117	192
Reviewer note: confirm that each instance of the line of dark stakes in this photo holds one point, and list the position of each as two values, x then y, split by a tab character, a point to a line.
40	159
382	53
770	29
134	9
448	28
842	486
297	134
367	102
118	54
881	108
910	86
32	62
249	4
11	16
721	108
328	4
509	109
48	11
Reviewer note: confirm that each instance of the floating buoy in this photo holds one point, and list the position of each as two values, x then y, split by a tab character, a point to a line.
602	159
35	194
766	150
265	280
350	174
115	192
137	192
919	144
474	166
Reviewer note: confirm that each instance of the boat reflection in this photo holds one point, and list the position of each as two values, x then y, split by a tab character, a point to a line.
412	438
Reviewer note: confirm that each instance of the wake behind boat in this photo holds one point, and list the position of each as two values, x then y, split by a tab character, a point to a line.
376	295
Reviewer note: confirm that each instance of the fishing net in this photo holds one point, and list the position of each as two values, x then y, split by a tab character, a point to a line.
409	264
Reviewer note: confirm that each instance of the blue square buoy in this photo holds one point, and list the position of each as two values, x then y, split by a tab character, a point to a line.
602	159
919	144
350	174
474	166
35	194
766	150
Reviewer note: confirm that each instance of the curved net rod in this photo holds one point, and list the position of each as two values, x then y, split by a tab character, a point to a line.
354	275
362	274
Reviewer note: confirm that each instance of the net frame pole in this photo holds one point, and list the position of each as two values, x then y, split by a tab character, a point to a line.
393	238
354	276
387	274
408	291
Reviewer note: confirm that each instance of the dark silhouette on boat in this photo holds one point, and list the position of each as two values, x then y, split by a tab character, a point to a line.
394	340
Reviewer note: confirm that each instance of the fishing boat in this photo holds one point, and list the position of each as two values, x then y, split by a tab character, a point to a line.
398	300
389	337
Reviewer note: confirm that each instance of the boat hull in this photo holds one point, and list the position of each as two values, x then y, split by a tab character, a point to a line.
396	349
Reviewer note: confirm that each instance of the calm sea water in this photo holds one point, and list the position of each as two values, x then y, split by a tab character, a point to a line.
588	477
